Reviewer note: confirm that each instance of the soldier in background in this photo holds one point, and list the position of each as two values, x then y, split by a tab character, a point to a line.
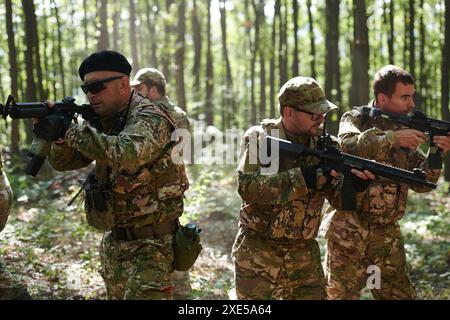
371	236
10	287
151	84
276	252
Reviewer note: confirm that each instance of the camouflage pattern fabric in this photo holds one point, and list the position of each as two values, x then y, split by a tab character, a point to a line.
275	253
139	269
6	196
143	192
178	114
10	287
371	235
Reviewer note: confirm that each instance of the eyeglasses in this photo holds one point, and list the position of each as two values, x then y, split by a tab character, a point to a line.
314	116
97	86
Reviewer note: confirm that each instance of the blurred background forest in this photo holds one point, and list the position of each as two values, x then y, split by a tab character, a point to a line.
225	61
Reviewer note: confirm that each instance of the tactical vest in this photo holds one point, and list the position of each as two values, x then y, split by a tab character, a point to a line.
285	221
150	194
384	203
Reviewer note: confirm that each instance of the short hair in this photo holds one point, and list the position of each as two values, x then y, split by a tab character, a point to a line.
161	87
386	79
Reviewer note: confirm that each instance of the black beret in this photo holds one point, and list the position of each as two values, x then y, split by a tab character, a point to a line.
105	61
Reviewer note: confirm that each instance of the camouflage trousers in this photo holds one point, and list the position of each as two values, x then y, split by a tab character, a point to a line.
10	287
266	269
353	248
139	269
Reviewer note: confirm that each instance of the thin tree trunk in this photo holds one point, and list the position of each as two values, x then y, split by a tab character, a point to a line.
209	74
103	39
167	33
359	92
116	22
272	62
422	76
151	25
445	72
295	62
283	50
179	54
255	51
28	8
61	65
13	71
412	39
312	40
197	35
133	41
85	26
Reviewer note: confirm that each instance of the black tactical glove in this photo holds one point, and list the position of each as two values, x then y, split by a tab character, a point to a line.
317	176
52	127
359	184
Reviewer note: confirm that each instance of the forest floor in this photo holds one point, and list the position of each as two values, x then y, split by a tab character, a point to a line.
49	246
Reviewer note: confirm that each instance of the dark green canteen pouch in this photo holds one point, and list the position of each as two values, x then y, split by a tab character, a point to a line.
186	247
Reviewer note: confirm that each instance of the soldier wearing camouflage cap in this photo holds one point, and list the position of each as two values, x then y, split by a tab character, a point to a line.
371	235
151	84
135	192
275	251
10	287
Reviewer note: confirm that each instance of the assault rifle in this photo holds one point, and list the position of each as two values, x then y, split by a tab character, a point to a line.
418	121
27	110
332	158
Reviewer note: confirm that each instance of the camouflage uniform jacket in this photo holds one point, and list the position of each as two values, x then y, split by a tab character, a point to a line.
5	196
279	206
383	202
143	192
176	112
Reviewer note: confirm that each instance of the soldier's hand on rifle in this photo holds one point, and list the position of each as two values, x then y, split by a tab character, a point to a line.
410	138
361	179
50	105
317	176
443	142
52	127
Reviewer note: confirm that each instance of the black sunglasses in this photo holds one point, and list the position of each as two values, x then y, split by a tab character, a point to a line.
314	116
97	86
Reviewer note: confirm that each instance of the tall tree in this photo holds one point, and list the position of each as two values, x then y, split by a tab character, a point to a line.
133	41
13	71
115	30
359	92
209	109
312	40
255	51
229	94
30	33
103	39
295	62
332	68
61	59
388	19
167	33
445	74
179	54
412	39
283	46
85	25
197	36
272	62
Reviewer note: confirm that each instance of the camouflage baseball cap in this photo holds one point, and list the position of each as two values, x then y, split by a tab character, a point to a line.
304	94
148	74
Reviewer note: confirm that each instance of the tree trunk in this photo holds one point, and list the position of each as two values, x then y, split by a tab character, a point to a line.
103	39
28	9
312	40
272	64
13	71
61	65
283	50
388	20
445	74
229	94
412	39
332	69
295	62
359	92
422	76
133	42
197	35
255	51
167	33
209	111
116	22
85	26
151	25
179	54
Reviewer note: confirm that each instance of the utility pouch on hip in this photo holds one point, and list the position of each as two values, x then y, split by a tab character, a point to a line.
98	204
187	247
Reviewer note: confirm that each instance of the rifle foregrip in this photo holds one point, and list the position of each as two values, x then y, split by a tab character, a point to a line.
34	165
435	158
